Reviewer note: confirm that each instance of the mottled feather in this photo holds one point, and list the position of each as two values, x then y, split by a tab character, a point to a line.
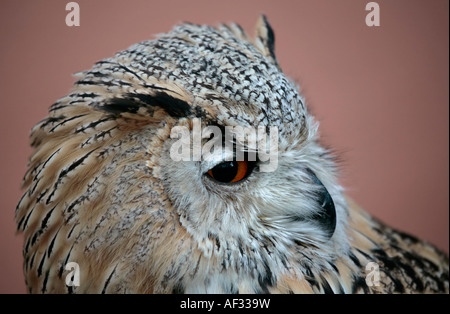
102	191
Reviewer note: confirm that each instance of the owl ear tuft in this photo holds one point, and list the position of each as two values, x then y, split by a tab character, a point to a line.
265	39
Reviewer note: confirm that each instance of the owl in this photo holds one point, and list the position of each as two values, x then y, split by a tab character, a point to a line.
190	164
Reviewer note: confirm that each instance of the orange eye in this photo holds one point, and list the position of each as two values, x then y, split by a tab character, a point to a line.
230	171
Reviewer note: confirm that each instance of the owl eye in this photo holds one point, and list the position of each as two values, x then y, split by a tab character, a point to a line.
231	171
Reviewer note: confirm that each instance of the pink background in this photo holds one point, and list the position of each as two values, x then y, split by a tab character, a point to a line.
381	93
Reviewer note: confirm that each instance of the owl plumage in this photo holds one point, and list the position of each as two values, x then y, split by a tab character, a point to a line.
102	190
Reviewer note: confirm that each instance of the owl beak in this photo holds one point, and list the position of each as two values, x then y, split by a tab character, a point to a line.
326	217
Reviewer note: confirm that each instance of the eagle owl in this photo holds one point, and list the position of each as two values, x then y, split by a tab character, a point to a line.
105	191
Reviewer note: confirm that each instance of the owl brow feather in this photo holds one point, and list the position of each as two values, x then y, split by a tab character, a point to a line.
132	102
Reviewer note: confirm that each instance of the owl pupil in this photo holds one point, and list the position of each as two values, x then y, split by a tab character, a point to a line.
225	172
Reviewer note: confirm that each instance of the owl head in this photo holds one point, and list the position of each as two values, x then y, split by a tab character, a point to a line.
187	163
